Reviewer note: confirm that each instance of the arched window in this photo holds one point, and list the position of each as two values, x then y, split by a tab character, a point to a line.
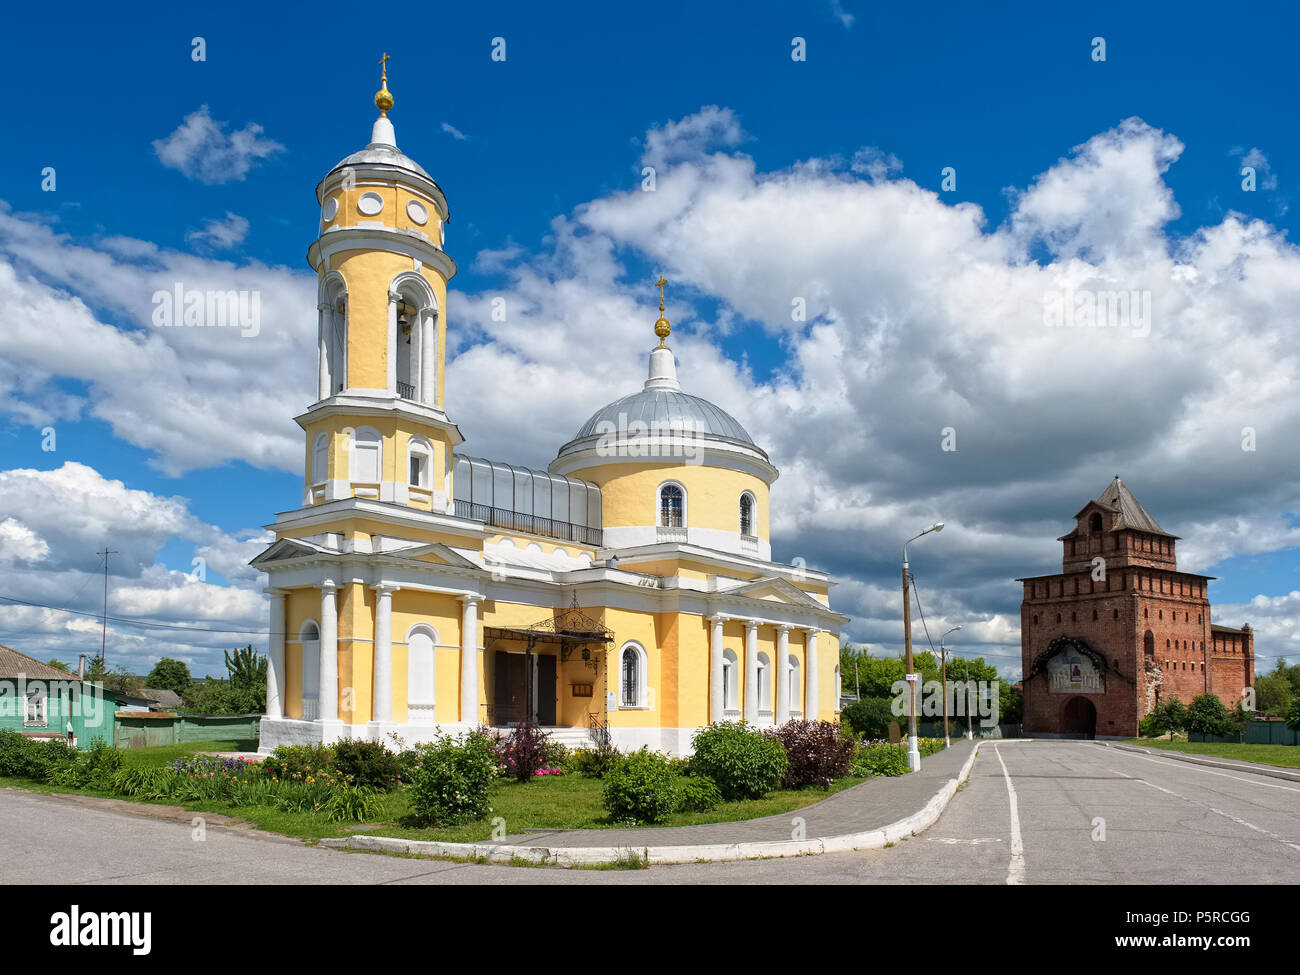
419	463
1095	524
309	642
1149	645
421	671
730	687
320	456
795	703
747	514
672	506
764	683
367	456
36	714
632	677
415	315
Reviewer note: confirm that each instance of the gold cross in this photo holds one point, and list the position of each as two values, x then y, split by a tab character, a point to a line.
660	285
383	66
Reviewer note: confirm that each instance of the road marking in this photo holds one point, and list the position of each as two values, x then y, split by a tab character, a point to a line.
1208	771
1219	812
951	841
1016	870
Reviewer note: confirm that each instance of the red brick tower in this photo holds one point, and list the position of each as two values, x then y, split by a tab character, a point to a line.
1120	628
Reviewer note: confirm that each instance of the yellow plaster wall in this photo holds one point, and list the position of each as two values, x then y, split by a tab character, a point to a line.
392	215
630	492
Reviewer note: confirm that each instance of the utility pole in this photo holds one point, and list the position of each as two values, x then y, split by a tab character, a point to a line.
913	751
103	638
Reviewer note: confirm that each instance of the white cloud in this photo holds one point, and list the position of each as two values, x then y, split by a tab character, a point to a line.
202	150
221	233
454	132
677	140
49	558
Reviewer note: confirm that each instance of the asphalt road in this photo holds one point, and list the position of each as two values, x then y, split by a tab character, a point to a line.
1044	812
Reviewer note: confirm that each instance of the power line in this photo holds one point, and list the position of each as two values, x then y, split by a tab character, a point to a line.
127	620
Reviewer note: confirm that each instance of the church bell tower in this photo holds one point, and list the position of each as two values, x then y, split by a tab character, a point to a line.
379	428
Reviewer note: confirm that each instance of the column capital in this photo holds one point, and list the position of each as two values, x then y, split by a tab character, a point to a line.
470	598
718	618
328	585
783	627
385	588
751	624
812	630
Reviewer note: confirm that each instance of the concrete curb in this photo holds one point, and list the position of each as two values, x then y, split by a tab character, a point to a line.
579	856
1273	772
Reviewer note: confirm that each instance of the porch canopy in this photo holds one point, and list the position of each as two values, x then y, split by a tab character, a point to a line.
570	629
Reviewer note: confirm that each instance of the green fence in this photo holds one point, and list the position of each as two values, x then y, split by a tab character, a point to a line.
1257	733
145	730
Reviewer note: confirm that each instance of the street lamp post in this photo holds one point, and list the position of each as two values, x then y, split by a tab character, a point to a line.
913	750
943	664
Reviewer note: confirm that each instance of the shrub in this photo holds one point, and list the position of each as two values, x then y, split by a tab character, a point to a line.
641	788
818	752
881	758
869	717
351	803
452	778
100	763
296	763
1293	715
742	761
523	751
697	793
1208	716
367	764
594	763
23	757
14	750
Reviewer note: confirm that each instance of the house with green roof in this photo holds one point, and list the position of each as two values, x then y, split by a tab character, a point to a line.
40	701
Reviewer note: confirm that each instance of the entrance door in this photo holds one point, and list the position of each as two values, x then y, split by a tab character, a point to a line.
546	690
508	689
1079	717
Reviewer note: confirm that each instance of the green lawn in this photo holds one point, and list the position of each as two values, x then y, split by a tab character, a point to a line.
1286	756
162	754
550	802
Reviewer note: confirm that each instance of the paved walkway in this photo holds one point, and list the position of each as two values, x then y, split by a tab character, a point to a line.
871	805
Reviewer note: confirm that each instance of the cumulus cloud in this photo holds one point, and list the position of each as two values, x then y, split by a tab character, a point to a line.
917	318
48	558
201	149
221	233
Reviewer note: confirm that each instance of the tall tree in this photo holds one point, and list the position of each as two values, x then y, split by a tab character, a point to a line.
169	674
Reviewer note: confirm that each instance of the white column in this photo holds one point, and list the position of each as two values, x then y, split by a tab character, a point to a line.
716	703
275	656
393	298
751	671
810	711
469	659
328	694
782	708
324	335
383	706
428	342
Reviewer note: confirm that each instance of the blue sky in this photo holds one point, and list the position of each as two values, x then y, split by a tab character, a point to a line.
1003	93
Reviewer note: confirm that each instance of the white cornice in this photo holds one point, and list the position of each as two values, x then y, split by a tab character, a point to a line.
693	553
384	511
598	451
379	405
407	242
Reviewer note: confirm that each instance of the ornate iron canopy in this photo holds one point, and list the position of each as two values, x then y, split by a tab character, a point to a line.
571	628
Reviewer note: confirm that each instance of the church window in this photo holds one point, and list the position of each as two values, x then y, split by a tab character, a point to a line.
1096	523
419	464
730	689
367	455
320	453
795	693
747	514
764	683
632	677
672	506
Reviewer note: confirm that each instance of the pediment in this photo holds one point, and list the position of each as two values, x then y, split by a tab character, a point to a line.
776	590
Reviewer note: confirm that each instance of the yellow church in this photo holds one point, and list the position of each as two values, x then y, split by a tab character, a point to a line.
627	593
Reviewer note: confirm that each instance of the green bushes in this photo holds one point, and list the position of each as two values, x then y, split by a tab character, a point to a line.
525	750
452	778
697	793
818	752
869	718
742	761
641	788
593	763
880	759
24	758
298	763
366	764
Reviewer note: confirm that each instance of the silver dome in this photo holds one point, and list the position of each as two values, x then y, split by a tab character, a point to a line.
377	154
666	409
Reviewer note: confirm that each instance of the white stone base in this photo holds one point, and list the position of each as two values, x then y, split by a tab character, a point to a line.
670	741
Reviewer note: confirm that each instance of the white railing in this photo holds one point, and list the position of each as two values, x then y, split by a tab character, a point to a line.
310	712
671	534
